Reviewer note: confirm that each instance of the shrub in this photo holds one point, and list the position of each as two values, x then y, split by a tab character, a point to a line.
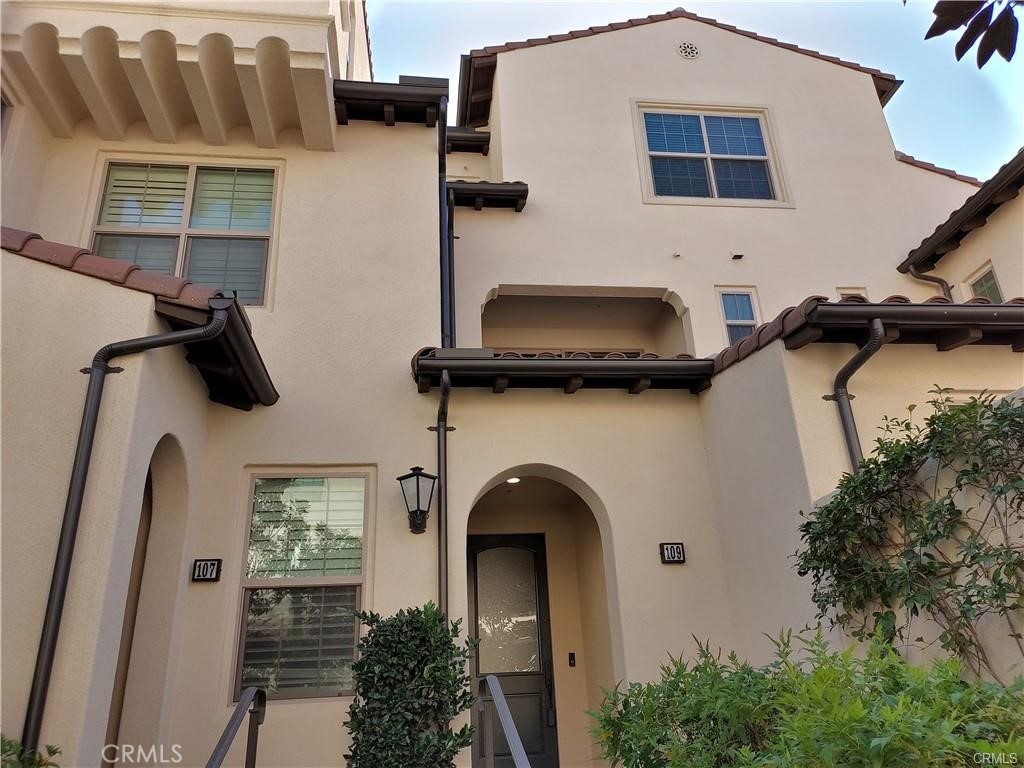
15	757
815	709
411	682
932	525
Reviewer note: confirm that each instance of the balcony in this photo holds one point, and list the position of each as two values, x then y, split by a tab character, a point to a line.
264	68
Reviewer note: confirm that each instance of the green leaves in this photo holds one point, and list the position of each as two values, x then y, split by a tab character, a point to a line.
810	708
411	682
14	756
999	35
931	526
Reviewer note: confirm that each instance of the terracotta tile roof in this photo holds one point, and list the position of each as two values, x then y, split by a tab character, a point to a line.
177	290
1004	186
797	325
903	157
885	83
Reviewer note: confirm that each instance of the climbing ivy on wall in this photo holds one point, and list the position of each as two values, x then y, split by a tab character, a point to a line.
931	526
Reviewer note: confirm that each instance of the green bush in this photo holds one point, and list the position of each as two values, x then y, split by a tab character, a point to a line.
13	756
815	709
411	682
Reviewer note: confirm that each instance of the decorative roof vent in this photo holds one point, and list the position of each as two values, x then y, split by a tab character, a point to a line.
689	51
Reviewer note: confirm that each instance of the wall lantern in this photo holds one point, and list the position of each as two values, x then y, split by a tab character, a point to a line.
418	489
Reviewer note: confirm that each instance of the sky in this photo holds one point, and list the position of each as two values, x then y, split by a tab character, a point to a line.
946	112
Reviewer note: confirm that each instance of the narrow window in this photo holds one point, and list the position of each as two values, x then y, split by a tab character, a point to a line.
302	585
738	309
694	155
986	287
209	224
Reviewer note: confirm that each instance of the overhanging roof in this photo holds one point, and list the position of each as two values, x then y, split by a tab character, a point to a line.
229	363
490	194
476	73
412	100
935	322
1001	188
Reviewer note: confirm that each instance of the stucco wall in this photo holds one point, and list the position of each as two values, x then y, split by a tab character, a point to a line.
563	121
1000	244
156	394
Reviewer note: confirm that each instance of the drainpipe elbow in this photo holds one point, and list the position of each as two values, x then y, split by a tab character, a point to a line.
934	279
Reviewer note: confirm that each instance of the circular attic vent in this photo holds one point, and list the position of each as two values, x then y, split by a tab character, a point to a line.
688	51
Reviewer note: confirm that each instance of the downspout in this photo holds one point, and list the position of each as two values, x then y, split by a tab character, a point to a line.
841	395
442	430
76	492
943	285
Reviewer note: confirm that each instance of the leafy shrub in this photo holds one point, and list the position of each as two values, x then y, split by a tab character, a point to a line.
931	525
13	756
411	682
815	709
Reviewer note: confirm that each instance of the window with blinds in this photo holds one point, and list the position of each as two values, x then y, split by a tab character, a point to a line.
986	287
696	155
210	224
738	308
302	585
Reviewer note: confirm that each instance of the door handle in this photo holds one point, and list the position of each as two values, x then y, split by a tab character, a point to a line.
549	687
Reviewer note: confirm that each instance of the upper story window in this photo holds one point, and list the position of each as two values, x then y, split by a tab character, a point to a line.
302	585
986	287
738	309
708	156
207	223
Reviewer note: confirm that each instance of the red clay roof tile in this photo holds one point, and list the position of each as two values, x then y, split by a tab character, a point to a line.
903	157
76	259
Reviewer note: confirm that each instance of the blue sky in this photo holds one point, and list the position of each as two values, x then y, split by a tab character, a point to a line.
946	112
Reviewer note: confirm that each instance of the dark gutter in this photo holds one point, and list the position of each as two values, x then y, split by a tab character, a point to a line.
442	429
924	316
411	100
468	140
231	365
490	194
479	368
99	369
1002	187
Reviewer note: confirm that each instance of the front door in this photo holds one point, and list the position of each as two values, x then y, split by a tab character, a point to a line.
509	614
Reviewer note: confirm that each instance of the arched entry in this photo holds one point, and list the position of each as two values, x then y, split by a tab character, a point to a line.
138	700
539	603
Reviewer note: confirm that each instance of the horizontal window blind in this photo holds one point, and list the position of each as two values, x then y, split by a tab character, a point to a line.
734	135
300	640
232	198
986	287
739	315
743	179
307	527
673	133
152	252
680	176
144	196
237	264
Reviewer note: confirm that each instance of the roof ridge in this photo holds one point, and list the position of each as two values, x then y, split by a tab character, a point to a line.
892	83
73	258
903	157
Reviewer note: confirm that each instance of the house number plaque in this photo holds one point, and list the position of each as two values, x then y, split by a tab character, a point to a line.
206	570
672	552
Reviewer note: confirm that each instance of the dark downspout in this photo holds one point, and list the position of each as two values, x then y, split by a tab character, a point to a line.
76	492
841	395
442	430
943	285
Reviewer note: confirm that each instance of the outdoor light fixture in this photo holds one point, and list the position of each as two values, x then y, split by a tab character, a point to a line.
418	489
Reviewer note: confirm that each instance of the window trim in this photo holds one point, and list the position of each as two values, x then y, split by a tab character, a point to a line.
977	275
245	584
184	232
751	291
851	290
709	109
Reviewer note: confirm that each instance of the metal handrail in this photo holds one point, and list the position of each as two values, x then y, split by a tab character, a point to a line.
257	697
508	725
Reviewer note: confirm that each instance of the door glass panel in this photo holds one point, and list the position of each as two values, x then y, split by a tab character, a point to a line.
506	584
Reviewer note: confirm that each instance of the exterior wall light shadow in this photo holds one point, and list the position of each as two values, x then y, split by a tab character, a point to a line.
418	489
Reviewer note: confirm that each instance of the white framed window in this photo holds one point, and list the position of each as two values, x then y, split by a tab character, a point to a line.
303	583
707	154
739	311
983	285
209	223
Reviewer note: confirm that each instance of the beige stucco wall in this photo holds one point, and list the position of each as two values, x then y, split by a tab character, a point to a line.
999	245
42	402
563	121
